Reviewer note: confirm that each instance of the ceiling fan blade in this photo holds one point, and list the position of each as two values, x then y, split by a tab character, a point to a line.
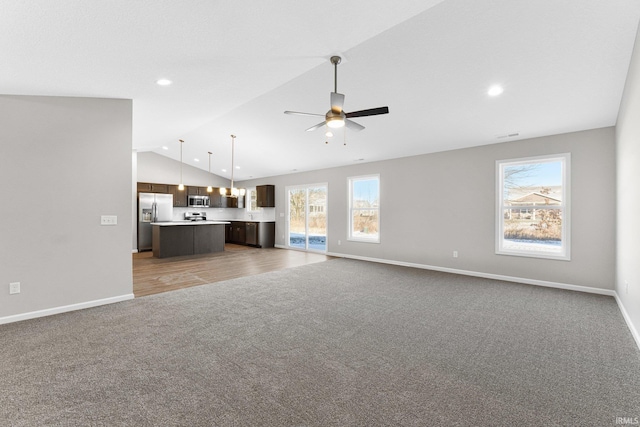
319	125
337	101
369	112
298	113
353	125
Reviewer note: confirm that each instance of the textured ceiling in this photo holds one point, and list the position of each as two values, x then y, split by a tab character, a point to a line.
236	66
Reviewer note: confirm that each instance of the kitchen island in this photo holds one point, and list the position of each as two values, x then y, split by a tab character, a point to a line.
177	238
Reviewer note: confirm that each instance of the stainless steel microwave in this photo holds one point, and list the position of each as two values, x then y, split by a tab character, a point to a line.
197	201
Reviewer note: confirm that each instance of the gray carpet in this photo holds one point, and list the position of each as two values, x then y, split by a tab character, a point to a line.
338	343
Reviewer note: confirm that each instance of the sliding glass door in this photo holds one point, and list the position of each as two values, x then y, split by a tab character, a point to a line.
307	217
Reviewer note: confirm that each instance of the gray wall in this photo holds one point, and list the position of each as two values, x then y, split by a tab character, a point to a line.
628	195
64	162
434	204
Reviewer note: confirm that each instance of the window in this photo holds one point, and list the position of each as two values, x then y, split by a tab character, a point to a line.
533	207
364	208
252	203
307	213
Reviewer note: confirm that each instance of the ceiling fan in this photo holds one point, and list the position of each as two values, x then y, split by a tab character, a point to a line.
336	117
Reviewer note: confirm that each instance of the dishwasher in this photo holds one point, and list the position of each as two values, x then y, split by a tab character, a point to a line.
251	233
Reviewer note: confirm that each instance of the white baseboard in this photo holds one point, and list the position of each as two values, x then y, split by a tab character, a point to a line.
609	292
63	309
588	289
627	318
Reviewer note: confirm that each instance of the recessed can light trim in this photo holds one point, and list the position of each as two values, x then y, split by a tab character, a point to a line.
495	90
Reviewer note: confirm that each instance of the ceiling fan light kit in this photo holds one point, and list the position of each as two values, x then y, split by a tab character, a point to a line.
336	118
334	121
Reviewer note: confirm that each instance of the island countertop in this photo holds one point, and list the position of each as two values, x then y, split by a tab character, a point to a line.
172	223
249	220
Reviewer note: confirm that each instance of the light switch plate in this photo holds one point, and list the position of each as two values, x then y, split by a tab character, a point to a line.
109	220
14	288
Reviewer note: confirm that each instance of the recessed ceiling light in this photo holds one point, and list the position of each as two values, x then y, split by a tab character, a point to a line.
163	82
224	170
237	167
165	148
495	90
329	134
196	160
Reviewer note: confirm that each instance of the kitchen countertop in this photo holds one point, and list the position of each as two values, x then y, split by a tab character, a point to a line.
249	220
172	223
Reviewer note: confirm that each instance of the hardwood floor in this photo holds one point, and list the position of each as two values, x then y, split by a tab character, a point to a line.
155	275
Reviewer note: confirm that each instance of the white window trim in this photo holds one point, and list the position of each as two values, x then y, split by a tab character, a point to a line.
565	255
288	216
248	201
350	237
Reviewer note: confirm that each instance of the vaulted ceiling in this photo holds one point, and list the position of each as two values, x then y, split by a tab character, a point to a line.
235	67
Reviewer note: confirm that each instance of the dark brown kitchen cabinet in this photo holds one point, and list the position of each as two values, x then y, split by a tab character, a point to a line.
228	233
266	196
259	234
179	197
238	232
197	191
178	240
215	199
147	187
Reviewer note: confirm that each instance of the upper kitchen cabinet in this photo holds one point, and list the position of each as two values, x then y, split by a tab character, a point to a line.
146	187
266	196
179	197
215	199
197	191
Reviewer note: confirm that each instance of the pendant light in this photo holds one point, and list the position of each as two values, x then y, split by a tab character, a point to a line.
181	186
234	192
209	189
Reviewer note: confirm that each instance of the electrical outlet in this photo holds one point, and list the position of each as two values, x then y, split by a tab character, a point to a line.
14	288
109	220
455	254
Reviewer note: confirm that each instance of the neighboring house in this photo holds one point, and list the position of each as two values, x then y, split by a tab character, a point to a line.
535	199
523	206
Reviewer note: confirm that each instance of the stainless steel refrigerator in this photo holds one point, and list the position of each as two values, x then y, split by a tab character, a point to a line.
152	207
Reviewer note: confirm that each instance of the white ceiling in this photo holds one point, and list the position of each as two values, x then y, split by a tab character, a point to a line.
236	66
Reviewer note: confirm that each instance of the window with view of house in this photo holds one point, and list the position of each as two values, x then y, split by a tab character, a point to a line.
364	208
533	207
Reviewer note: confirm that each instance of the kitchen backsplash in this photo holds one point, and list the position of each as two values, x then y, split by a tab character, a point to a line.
264	214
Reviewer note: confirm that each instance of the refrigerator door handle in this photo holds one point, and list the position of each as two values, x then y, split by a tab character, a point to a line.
154	212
